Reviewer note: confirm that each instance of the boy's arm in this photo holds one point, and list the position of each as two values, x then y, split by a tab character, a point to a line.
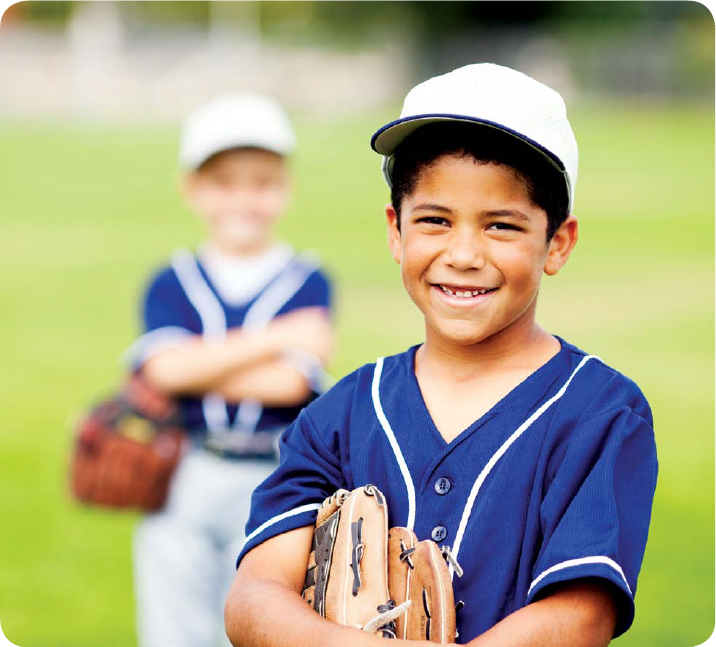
265	609
199	365
275	383
579	614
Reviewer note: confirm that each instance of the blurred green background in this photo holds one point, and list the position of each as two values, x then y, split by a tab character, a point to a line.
90	207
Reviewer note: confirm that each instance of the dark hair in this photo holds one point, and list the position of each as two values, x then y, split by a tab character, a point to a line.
214	156
544	183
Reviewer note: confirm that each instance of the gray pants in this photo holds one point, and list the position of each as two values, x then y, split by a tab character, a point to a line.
185	554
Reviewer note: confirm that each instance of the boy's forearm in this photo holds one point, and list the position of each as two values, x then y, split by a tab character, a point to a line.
270	614
196	366
579	615
202	365
273	382
264	607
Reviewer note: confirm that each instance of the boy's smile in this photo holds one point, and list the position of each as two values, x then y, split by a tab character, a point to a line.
472	248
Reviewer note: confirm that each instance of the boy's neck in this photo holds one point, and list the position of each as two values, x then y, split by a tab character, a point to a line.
524	346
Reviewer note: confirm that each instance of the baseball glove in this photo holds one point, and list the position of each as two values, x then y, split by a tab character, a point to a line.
126	449
363	576
418	571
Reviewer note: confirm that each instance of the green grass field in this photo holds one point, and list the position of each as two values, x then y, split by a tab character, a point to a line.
88	211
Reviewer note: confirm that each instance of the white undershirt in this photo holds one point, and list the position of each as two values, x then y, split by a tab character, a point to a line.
238	279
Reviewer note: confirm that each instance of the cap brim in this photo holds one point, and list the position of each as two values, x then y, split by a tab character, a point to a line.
389	137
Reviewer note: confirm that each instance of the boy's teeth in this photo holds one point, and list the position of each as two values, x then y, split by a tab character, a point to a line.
462	293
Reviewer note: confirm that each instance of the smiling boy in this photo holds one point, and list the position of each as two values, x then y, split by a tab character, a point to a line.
533	460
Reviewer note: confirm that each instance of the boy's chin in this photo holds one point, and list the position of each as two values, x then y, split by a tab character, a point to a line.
465	334
241	243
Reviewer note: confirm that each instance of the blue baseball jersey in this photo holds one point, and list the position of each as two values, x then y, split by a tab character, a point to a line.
181	301
554	483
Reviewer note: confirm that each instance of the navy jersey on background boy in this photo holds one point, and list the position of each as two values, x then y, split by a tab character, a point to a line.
183	300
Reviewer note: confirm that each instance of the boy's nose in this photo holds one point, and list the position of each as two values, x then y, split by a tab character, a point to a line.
465	251
241	198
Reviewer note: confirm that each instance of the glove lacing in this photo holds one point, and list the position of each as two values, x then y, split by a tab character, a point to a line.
405	554
451	559
385	620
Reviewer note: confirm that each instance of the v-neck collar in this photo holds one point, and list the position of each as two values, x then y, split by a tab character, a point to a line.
506	400
244	305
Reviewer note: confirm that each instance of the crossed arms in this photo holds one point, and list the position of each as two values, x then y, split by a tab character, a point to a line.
265	609
247	364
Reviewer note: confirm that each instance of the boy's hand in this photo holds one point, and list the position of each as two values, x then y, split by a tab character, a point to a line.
581	613
265	609
307	330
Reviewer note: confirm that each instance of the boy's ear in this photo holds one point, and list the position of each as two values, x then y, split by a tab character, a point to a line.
395	242
187	183
561	245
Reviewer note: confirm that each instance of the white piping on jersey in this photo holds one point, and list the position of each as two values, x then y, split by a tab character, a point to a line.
213	324
248	415
154	341
499	453
393	442
597	559
213	321
280	517
276	295
292	278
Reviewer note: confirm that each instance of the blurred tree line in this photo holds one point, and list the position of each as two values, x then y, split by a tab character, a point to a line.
358	21
662	47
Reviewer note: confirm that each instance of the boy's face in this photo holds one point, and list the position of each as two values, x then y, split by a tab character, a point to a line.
240	195
472	248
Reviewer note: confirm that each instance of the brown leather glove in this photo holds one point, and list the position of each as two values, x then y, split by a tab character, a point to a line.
418	571
386	583
126	449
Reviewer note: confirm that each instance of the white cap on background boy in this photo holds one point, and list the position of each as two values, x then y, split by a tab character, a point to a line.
234	121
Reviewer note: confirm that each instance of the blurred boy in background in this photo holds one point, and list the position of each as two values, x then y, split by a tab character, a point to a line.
239	332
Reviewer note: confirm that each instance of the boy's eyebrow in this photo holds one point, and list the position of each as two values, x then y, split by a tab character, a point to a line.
427	206
514	213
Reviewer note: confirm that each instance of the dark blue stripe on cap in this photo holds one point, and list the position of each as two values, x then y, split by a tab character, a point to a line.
466	118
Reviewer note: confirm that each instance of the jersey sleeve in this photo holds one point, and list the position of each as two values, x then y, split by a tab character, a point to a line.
315	292
168	318
596	509
308	472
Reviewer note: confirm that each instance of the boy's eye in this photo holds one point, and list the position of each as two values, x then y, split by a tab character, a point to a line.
432	220
264	182
221	181
504	226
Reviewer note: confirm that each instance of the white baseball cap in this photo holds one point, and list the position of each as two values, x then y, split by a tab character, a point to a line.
488	95
234	121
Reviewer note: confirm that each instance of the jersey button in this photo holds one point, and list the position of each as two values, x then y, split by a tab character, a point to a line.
439	533
442	485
